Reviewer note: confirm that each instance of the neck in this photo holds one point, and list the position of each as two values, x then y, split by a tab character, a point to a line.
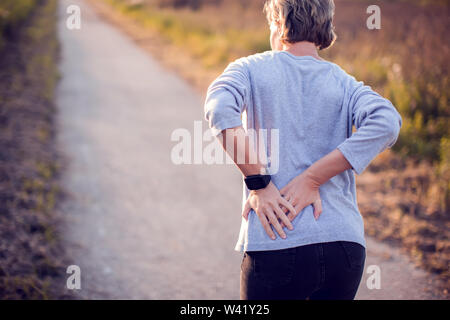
302	48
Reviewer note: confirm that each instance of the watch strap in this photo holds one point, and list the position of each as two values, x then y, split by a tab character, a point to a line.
258	181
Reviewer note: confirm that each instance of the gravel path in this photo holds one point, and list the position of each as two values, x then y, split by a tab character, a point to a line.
138	225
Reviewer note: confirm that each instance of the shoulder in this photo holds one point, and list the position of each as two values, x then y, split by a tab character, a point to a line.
261	57
253	60
345	79
339	73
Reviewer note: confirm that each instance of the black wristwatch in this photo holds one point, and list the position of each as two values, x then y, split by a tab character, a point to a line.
258	181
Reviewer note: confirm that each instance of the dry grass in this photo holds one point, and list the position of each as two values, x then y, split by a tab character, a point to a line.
30	253
401	203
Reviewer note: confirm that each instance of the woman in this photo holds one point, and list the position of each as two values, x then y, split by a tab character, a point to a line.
302	234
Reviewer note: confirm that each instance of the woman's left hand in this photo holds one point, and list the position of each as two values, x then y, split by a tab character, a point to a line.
302	191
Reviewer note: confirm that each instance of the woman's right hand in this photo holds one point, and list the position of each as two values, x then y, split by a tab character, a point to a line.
268	203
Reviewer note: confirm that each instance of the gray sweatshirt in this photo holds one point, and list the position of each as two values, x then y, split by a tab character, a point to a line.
308	108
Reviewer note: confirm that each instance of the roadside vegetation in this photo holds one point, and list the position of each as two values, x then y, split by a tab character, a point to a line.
30	252
405	194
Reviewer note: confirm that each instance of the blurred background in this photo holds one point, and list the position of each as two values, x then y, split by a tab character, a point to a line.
404	196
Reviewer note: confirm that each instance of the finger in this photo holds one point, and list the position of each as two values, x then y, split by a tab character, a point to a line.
281	223
285	194
282	216
246	210
292	216
288	197
274	221
317	208
266	225
285	210
288	206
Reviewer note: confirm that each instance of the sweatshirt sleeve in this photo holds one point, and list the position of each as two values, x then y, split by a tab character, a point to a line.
377	124
227	97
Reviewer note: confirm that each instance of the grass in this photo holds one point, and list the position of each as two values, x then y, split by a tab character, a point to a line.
184	28
401	204
31	257
12	14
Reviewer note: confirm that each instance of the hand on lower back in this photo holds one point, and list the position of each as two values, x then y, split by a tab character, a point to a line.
301	192
268	204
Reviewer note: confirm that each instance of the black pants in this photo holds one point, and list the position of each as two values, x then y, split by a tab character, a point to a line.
322	271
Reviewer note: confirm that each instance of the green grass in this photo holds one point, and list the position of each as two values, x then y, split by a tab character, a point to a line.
214	48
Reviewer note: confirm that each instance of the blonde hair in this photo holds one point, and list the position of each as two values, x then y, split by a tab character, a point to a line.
303	20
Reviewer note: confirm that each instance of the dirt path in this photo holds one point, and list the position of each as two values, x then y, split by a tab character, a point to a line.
138	225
